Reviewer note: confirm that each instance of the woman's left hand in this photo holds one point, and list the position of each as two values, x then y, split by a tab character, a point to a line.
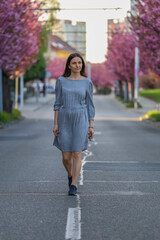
90	133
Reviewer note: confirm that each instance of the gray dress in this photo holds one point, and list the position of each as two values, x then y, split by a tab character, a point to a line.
74	100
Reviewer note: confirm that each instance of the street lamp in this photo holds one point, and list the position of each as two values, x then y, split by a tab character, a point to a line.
136	66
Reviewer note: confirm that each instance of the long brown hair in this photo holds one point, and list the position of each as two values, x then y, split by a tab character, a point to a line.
67	71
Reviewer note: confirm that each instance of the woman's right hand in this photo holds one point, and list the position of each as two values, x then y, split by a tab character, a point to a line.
55	130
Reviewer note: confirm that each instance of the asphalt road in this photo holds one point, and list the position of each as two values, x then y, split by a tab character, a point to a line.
119	186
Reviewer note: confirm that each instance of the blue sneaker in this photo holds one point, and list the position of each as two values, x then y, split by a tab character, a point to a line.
69	181
72	191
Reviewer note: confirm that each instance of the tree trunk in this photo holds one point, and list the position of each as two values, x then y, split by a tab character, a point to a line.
126	94
7	103
121	93
132	91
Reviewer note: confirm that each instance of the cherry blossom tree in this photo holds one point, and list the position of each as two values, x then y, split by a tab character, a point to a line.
100	76
146	24
120	59
20	40
19	34
56	67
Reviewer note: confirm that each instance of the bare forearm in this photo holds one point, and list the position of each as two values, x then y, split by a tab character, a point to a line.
90	123
56	112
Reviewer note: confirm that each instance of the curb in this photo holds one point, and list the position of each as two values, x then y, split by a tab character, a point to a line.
7	124
151	123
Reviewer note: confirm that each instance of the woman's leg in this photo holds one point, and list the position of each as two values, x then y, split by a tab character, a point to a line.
77	163
67	162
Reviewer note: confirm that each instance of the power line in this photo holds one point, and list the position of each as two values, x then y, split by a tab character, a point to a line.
63	32
70	9
77	41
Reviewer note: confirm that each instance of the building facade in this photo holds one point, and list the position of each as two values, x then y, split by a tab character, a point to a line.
116	26
58	48
73	34
133	2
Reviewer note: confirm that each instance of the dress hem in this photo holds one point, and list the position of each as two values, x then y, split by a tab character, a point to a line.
82	149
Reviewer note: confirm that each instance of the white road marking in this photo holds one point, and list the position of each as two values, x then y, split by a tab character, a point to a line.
112	162
114	193
154	181
87	154
102	171
83	194
78	201
73	227
97	133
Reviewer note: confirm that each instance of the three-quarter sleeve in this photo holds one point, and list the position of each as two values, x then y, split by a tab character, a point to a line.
89	101
58	92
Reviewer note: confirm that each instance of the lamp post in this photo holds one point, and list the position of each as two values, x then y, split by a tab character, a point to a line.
136	74
137	61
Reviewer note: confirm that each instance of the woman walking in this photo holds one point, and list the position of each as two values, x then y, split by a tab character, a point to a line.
73	116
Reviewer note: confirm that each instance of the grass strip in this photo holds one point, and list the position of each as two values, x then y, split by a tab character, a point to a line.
127	104
153	94
6	117
152	115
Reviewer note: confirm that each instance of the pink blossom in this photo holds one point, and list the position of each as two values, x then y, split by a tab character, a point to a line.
56	67
100	76
120	57
19	35
146	25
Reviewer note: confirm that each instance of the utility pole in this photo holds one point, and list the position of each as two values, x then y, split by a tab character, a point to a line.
136	72
126	83
137	61
16	93
22	91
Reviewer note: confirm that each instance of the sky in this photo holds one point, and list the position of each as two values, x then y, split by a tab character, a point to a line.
96	22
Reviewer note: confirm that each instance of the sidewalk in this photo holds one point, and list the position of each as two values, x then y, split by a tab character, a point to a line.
147	105
31	105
